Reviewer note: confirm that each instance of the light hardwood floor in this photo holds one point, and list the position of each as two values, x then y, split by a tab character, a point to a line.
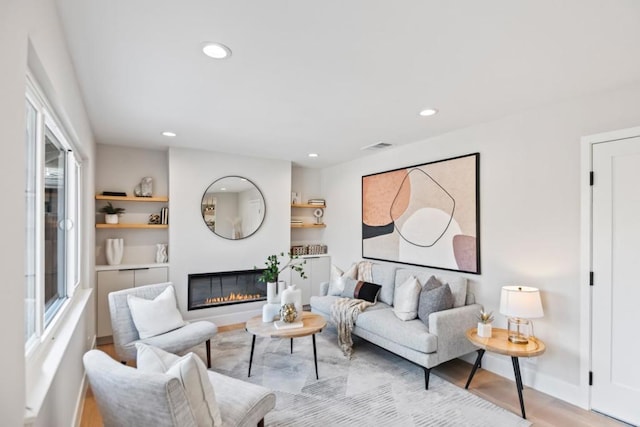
542	409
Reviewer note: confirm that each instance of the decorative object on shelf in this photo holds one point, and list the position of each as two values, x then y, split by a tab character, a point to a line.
114	251
426	215
316	202
288	313
154	219
273	270
295	198
318	213
519	304
292	296
484	324
161	253
144	188
111	213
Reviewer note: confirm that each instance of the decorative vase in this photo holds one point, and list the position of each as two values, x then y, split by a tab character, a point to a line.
161	253
111	218
293	295
274	291
484	330
114	251
270	312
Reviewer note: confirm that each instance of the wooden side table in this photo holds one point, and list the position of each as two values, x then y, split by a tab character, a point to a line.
312	324
500	344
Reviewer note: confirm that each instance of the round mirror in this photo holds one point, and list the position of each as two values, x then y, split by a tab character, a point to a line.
233	207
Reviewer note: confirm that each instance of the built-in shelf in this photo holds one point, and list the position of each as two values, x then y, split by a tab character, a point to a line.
132	198
308	225
304	205
158	226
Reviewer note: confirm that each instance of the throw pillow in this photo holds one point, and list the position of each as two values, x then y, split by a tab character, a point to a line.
405	299
361	290
156	316
153	359
335	273
192	373
433	300
352	272
336	286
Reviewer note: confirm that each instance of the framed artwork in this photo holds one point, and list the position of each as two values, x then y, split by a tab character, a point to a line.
426	215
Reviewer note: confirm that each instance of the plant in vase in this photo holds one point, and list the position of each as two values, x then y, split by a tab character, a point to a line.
111	213
484	324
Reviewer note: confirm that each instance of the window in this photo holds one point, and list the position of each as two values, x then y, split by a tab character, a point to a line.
51	212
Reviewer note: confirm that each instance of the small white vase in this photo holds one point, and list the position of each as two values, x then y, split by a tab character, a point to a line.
111	218
293	295
161	253
484	330
270	312
114	251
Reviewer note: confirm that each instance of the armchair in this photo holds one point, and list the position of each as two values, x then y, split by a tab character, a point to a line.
125	334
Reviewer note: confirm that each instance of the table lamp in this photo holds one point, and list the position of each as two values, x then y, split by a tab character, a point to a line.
519	304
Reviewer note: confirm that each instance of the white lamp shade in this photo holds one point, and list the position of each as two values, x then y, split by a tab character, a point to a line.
521	301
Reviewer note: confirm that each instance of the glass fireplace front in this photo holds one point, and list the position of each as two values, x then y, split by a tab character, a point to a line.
207	290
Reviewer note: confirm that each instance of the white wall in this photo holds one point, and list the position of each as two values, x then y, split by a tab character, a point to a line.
530	216
195	249
36	22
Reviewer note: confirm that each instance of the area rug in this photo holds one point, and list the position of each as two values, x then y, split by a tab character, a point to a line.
373	388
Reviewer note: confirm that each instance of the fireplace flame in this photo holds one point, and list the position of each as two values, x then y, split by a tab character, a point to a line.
232	297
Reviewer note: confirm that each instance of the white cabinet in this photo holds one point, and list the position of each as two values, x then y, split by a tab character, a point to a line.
123	278
317	269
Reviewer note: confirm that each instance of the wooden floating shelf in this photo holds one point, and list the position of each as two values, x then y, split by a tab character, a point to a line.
133	198
308	225
156	226
304	205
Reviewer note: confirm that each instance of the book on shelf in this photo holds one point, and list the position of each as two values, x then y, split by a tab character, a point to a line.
164	216
114	193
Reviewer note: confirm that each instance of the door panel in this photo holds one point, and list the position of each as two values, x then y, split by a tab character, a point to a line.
616	291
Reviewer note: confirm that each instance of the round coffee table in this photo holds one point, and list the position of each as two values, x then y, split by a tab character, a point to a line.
312	324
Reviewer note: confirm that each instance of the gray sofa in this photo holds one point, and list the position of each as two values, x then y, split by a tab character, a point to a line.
445	338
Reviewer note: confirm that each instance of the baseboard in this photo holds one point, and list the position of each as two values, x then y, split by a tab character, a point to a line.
501	365
84	386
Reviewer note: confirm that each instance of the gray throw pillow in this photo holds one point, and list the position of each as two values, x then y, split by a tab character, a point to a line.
349	287
432	300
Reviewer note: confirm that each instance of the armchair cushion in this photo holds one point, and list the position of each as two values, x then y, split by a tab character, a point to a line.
155	316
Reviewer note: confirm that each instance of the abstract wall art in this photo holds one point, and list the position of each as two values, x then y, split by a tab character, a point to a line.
426	215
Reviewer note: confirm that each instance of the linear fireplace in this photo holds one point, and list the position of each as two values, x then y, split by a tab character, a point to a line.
207	290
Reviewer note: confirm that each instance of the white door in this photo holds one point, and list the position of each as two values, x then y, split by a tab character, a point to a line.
616	290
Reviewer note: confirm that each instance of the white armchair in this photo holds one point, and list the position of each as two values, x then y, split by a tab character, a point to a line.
125	334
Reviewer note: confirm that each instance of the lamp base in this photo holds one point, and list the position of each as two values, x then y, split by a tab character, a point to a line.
518	330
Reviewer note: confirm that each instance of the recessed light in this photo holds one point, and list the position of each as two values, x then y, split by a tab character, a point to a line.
428	112
223	189
313	154
169	134
216	50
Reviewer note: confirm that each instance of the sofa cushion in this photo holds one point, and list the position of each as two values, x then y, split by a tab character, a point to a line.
457	284
405	299
412	334
434	299
385	276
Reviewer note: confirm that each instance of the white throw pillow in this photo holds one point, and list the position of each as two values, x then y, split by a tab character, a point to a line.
336	286
192	373
156	316
352	272
335	274
406	298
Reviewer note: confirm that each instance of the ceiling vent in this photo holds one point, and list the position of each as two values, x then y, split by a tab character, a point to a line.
376	146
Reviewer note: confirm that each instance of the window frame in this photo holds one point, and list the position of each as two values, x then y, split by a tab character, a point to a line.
46	119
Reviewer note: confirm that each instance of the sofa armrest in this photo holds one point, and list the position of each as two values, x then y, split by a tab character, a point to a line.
450	326
324	289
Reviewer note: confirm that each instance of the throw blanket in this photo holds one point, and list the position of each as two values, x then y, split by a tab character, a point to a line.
364	271
344	313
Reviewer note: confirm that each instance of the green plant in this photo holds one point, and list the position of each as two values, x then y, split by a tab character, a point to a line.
485	317
273	270
111	210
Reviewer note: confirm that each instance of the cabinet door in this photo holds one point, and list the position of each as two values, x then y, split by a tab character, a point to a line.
109	281
321	270
148	276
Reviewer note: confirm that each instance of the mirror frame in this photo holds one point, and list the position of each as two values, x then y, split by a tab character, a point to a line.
264	204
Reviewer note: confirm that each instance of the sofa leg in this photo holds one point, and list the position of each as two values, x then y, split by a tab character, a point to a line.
208	345
261	423
124	362
427	371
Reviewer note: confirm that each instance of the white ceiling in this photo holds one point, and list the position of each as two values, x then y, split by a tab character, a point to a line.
332	76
